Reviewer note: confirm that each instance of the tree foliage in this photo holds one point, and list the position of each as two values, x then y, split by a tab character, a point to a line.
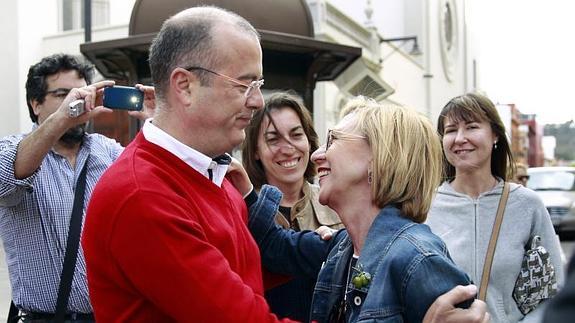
564	134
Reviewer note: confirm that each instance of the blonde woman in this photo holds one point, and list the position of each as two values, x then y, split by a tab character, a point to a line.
378	170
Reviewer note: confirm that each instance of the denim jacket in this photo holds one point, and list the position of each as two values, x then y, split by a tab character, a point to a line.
409	266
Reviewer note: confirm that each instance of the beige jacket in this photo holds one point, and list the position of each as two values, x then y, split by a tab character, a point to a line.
309	213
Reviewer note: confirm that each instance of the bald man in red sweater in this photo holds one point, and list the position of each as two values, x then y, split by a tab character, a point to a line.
166	236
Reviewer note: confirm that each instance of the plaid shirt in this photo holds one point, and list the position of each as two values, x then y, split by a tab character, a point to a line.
34	221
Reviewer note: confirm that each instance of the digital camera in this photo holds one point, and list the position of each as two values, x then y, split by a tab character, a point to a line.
76	108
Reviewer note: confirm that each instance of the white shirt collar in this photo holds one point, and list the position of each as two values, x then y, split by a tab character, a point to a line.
190	156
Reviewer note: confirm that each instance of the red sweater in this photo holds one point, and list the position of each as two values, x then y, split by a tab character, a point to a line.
163	243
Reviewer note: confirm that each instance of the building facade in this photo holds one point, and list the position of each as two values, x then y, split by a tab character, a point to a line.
386	70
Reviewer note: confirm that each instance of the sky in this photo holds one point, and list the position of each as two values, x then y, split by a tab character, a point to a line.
525	52
527	55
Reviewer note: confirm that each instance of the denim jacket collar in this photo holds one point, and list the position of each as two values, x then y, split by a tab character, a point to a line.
386	227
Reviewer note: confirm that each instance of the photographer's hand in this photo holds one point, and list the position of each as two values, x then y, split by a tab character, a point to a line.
92	96
149	103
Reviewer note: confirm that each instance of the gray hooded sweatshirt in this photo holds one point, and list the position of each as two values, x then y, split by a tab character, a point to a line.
465	224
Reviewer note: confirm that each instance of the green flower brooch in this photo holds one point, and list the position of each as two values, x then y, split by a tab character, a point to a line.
360	278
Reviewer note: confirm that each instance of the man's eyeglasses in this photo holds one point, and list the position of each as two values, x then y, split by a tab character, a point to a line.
250	87
59	93
337	134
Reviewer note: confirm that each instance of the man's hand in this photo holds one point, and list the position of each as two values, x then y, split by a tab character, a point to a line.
239	177
443	310
149	103
92	96
33	148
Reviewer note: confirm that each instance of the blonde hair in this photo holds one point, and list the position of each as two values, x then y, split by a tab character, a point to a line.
407	155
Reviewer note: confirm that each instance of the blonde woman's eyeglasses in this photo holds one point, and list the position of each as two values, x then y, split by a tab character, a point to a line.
334	134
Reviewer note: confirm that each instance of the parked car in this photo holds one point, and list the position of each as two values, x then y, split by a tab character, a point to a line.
556	187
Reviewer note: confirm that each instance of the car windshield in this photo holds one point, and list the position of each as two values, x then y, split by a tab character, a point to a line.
552	180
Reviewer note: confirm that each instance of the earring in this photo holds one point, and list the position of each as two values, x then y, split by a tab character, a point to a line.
495	145
369	176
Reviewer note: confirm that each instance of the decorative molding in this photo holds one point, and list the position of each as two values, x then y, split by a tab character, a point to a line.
342	23
324	15
449	35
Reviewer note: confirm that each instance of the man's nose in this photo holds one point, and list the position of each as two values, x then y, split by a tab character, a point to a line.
255	100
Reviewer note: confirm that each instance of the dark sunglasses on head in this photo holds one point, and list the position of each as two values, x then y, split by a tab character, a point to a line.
523	178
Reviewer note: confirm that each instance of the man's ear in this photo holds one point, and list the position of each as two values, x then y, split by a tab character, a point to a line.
36	106
182	83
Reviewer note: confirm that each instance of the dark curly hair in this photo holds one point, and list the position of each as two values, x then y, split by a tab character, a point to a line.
36	85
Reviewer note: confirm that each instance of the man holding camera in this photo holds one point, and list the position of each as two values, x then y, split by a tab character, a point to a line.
39	174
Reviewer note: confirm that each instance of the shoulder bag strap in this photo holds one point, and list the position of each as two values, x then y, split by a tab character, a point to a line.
72	245
12	313
493	242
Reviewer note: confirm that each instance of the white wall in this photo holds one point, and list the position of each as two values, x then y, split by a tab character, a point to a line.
36	19
120	11
405	76
388	15
405	73
9	87
69	42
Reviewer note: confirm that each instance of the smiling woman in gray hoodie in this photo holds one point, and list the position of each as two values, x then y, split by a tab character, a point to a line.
477	162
